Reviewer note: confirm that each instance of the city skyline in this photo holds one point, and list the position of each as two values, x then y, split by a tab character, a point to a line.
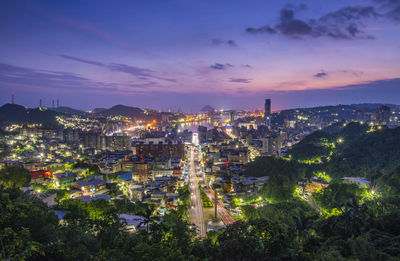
190	54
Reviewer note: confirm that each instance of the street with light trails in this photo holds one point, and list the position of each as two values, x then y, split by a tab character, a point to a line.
196	209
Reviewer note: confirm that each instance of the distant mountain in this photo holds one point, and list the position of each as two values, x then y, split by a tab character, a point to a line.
131	112
340	107
98	110
13	113
207	108
68	110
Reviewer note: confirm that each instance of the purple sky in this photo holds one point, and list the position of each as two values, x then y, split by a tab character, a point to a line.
186	53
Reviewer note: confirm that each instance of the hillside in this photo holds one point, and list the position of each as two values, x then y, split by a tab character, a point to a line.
68	110
351	150
13	113
130	112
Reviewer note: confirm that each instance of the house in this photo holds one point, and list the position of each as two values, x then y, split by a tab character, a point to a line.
91	198
156	194
63	180
126	176
48	198
90	187
138	193
361	182
39	175
60	214
133	223
311	186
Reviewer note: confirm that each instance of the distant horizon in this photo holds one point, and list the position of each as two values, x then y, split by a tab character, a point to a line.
273	110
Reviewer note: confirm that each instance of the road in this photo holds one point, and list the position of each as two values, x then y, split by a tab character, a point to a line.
222	212
196	209
310	201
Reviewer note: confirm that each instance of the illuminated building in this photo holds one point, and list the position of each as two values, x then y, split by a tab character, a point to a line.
267	112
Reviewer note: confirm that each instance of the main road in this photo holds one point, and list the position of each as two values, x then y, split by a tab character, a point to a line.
196	209
222	212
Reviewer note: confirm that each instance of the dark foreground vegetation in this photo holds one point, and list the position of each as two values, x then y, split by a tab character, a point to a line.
288	230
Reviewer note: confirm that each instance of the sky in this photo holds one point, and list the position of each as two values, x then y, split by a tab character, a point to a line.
187	54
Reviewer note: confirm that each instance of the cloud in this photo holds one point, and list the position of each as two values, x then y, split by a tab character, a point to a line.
132	70
390	8
247	66
321	74
261	30
46	81
81	60
220	66
141	73
344	23
223	42
353	72
240	80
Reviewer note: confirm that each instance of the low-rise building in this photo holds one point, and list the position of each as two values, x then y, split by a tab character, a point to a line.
361	182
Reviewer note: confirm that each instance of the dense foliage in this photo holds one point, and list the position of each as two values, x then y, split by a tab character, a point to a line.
352	149
290	230
14	177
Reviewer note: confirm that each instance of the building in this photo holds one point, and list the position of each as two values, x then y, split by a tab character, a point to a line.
311	186
361	182
384	115
95	140
39	175
90	187
119	142
132	223
267	112
63	180
272	145
157	150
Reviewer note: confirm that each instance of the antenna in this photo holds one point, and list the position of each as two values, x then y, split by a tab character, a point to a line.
12	99
40	103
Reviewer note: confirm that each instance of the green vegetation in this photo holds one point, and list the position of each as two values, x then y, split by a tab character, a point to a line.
359	150
283	176
278	188
14	177
184	202
336	197
272	166
93	169
205	201
90	231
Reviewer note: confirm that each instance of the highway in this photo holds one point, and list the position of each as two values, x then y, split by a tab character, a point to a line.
196	209
222	212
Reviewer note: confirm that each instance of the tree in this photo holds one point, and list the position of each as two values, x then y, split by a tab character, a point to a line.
278	188
14	177
27	226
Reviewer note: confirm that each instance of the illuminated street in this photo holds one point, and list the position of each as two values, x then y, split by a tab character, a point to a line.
222	212
196	209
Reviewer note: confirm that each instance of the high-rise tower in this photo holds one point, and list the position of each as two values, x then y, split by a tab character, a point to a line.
267	112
